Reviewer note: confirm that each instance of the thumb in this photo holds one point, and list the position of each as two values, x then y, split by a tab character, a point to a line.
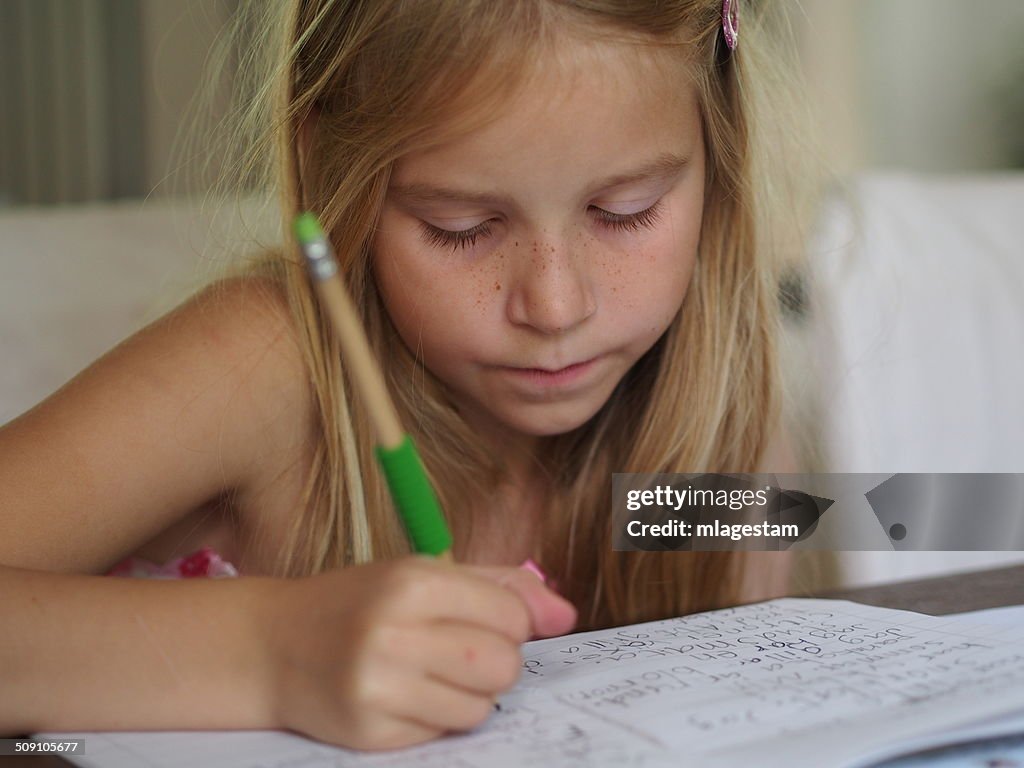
550	613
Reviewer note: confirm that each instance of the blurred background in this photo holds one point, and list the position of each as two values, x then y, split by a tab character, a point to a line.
97	93
905	354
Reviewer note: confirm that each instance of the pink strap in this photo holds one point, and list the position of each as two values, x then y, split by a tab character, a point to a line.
202	563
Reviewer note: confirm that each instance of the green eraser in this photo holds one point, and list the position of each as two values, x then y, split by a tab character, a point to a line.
307	228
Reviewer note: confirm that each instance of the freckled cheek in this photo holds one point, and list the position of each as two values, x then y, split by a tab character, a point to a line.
649	282
427	292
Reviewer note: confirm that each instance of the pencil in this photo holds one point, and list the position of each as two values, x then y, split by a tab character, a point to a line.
407	481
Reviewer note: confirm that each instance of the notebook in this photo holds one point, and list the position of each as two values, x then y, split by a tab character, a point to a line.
790	682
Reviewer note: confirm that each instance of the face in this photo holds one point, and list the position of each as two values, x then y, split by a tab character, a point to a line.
531	263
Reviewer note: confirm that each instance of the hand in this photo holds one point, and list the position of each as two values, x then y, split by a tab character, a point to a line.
390	654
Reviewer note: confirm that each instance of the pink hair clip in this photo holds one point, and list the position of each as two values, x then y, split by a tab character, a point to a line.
731	23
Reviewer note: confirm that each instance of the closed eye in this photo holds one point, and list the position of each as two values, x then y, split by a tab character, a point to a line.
463	238
466	238
629	222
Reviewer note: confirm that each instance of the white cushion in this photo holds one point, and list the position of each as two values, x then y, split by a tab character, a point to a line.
75	281
918	307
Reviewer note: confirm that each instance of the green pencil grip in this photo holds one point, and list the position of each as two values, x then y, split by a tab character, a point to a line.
414	498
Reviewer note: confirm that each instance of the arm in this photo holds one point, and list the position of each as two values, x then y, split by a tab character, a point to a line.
175	415
93	653
365	656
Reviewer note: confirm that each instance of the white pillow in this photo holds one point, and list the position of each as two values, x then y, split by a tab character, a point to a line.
918	305
76	280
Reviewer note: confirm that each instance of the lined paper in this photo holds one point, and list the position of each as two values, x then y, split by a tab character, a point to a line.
789	682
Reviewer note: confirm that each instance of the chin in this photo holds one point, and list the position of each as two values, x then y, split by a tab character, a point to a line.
548	421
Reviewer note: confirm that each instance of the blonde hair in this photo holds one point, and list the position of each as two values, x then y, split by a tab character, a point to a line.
385	78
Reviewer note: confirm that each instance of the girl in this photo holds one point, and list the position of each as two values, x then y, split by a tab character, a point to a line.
554	217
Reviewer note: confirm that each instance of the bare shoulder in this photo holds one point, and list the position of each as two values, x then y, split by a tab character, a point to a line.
183	412
252	331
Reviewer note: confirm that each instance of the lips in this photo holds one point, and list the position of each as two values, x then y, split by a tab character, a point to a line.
555	370
547	378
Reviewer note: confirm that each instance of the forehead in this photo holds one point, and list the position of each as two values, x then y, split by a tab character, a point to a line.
582	106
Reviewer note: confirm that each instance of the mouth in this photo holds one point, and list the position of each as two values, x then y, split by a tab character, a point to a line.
559	370
548	377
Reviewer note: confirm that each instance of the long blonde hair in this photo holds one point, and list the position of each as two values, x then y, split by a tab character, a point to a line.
384	78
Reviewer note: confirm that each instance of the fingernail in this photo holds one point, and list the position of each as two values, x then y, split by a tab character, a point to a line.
529	565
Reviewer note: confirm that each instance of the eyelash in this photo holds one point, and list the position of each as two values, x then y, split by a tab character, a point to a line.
466	238
630	222
445	238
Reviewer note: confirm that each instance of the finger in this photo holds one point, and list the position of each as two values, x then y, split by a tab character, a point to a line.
437	591
431	703
386	732
468	657
550	613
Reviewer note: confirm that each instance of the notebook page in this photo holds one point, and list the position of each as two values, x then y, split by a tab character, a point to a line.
984	732
968	738
790	682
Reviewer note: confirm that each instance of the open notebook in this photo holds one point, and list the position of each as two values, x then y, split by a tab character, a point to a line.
791	682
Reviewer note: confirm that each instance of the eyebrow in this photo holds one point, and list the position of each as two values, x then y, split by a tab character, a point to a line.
664	165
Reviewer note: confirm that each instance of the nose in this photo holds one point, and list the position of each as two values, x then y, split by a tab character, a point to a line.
552	290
